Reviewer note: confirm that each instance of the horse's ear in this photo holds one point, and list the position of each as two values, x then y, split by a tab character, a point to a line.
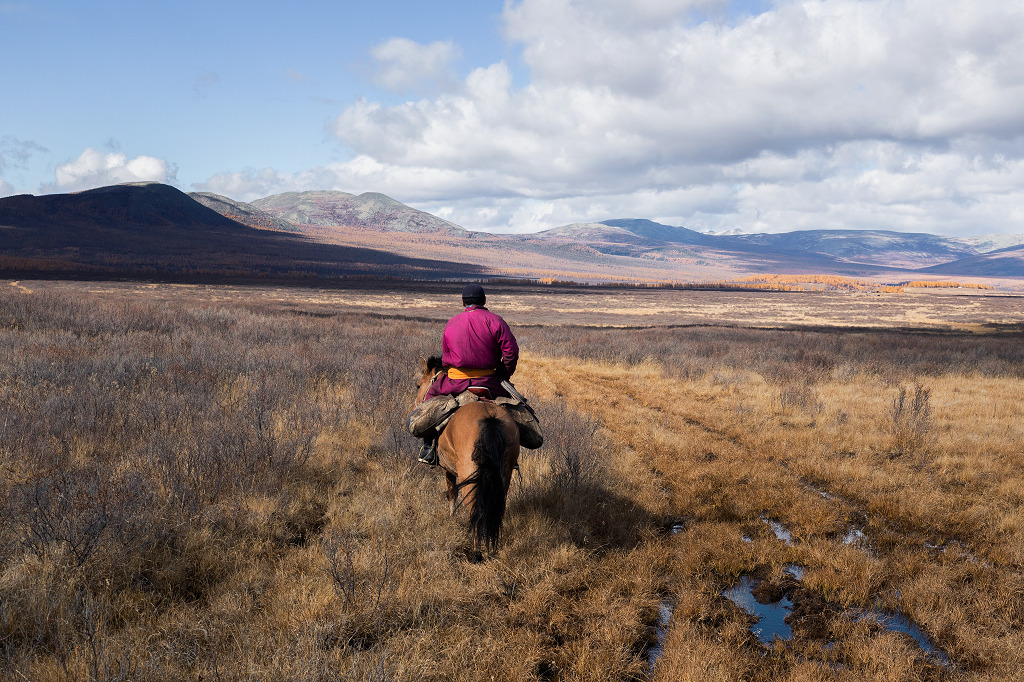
426	364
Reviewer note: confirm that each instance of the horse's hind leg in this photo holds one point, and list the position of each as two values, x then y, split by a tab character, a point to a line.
453	492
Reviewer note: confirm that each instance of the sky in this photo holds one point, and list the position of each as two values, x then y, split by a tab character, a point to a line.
517	116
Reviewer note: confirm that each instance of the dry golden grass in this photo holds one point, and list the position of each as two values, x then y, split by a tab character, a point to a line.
197	483
943	521
935	310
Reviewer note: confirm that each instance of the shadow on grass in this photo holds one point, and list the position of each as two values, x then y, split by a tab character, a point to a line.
592	516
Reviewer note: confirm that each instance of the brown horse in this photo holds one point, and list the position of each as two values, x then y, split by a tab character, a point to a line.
478	450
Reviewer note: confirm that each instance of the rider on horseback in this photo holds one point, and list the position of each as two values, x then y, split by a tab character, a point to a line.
478	352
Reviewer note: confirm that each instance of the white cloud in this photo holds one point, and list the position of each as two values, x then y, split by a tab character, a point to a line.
856	185
888	114
95	169
786	79
362	174
6	189
404	64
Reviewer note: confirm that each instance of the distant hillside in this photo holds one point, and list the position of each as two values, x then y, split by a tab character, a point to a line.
831	247
873	247
985	243
241	212
155	228
589	232
624	231
371	211
652	230
1001	263
152	205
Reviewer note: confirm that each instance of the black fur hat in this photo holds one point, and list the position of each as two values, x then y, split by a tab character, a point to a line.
473	294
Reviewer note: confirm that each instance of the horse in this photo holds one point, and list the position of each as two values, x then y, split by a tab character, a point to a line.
478	450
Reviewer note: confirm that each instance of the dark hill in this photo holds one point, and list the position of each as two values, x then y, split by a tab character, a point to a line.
152	205
154	228
1007	262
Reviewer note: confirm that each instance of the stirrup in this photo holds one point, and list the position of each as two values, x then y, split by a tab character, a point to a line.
428	453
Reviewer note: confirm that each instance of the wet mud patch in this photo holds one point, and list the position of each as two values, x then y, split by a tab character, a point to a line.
769	612
659	630
781	533
768	602
782	609
889	621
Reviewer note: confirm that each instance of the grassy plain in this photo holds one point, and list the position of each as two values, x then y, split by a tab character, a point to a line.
214	483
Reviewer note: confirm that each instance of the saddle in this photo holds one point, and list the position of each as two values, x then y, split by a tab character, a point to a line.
429	418
481	392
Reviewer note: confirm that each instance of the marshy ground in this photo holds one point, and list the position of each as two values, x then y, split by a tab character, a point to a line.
214	483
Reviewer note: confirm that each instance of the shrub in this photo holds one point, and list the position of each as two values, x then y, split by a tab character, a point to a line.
910	420
575	456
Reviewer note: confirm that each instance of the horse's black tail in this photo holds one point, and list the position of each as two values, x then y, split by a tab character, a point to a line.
490	490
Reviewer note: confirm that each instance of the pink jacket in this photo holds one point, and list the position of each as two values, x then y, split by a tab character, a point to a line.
477	338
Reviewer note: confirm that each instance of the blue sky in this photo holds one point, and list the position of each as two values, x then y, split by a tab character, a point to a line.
528	114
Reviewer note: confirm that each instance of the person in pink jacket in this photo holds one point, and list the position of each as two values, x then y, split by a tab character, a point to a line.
478	351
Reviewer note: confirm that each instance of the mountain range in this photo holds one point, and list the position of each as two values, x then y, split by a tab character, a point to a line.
150	227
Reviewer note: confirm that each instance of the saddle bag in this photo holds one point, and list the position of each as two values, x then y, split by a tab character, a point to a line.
428	416
530	435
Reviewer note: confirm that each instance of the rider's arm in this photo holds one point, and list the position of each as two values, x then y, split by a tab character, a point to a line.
509	348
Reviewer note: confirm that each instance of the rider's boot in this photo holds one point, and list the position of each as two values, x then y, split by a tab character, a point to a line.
428	452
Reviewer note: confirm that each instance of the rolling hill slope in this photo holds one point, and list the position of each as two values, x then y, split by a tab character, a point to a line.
242	212
1007	262
832	248
155	228
371	211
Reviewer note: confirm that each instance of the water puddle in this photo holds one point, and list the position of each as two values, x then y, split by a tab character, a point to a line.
771	617
664	615
961	548
780	531
895	622
660	632
855	536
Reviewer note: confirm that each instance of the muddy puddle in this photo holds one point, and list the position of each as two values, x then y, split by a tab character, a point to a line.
771	616
771	602
779	604
895	622
660	632
780	531
664	615
855	536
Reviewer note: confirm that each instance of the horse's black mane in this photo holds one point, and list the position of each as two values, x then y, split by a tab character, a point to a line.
434	363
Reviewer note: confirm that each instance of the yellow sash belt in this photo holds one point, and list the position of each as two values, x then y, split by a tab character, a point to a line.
458	373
